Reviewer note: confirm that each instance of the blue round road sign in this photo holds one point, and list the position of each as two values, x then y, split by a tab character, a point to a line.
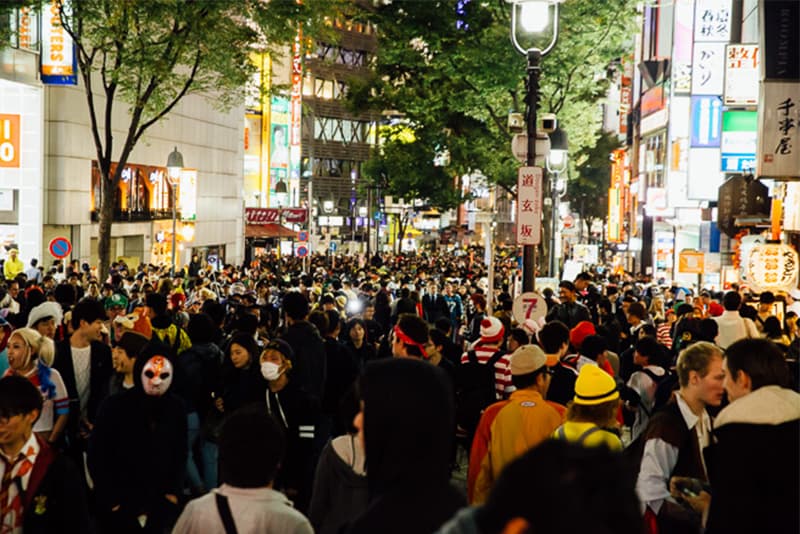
60	247
302	235
333	246
301	251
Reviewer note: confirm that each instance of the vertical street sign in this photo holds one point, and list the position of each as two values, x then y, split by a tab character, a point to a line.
529	205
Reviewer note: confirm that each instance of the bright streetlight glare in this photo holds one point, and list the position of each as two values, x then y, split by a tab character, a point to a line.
534	16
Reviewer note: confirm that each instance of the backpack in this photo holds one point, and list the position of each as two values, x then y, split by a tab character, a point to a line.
475	389
665	386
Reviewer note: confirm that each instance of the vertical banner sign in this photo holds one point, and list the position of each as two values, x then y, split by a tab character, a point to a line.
741	75
529	205
187	195
58	57
712	21
296	126
779	129
614	222
706	121
739	140
278	145
708	71
682	47
9	140
625	93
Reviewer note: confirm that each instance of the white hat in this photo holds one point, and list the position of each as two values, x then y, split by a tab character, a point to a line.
43	311
527	359
795	294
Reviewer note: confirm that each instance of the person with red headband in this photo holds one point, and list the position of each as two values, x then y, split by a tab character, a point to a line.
410	338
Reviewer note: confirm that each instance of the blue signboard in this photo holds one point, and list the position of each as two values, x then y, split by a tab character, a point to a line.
706	117
739	140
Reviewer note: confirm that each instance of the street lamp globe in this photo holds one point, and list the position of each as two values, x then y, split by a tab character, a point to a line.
533	18
174	166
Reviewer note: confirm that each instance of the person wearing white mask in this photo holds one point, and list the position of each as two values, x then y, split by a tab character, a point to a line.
292	407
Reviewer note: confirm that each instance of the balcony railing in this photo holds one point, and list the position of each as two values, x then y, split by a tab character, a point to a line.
137	216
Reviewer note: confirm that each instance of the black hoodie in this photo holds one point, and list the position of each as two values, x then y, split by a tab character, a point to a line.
309	369
408	428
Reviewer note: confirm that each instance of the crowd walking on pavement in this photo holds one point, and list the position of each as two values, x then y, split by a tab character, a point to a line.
349	394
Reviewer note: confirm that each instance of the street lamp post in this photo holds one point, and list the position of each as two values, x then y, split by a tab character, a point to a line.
174	167
534	17
556	162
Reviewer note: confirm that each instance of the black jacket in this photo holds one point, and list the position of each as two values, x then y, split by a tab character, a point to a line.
308	365
754	464
198	376
434	307
569	313
137	450
54	500
100	371
341	373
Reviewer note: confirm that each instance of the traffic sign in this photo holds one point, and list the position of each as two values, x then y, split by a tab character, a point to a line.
60	247
530	305
302	235
301	251
333	246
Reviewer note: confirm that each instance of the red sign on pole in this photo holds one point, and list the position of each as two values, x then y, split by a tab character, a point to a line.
60	247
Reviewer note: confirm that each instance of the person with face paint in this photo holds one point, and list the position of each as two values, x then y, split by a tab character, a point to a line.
137	451
292	408
30	355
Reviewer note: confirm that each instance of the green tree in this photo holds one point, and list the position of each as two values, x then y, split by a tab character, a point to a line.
450	68
149	54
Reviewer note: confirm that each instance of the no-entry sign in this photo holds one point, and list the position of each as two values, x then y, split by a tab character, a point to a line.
60	247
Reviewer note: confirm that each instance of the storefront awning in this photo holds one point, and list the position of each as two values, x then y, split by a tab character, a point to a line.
268	230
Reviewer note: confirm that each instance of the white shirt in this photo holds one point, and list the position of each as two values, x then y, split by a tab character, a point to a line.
659	459
646	388
733	327
254	511
81	362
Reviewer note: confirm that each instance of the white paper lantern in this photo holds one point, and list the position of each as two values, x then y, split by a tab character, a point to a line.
772	267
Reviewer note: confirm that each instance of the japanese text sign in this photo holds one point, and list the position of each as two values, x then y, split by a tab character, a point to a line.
708	70
529	205
712	21
741	75
779	130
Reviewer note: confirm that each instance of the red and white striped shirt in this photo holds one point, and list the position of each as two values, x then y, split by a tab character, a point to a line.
662	335
502	369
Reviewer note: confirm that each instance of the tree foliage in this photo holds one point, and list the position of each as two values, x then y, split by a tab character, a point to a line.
149	54
451	69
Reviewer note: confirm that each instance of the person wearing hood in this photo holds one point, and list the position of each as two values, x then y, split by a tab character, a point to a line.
340	482
406	426
297	416
137	451
753	464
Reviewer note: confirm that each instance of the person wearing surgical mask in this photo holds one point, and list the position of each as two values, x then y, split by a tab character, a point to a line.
292	407
137	450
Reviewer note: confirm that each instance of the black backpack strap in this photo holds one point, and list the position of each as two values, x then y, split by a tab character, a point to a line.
654	377
472	357
225	515
561	433
176	343
583	437
496	357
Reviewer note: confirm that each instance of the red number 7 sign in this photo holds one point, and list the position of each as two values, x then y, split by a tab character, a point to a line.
530	305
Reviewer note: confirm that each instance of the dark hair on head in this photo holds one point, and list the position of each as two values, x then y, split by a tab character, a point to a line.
552	336
319	319
593	346
761	359
731	300
772	327
295	305
251	447
416	328
18	396
637	310
528	379
215	310
604	305
519	335
156	302
649	348
443	324
767	297
89	310
334	321
748	312
566	284
647	330
549	481
709	329
201	328
584	276
247	323
438	338
684	309
352	323
247	342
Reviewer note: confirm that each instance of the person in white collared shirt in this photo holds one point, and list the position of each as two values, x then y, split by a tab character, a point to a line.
732	326
676	436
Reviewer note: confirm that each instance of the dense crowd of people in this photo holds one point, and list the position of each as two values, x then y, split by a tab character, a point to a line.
347	396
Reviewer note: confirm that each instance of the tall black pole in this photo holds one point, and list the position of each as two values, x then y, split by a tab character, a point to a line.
529	251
